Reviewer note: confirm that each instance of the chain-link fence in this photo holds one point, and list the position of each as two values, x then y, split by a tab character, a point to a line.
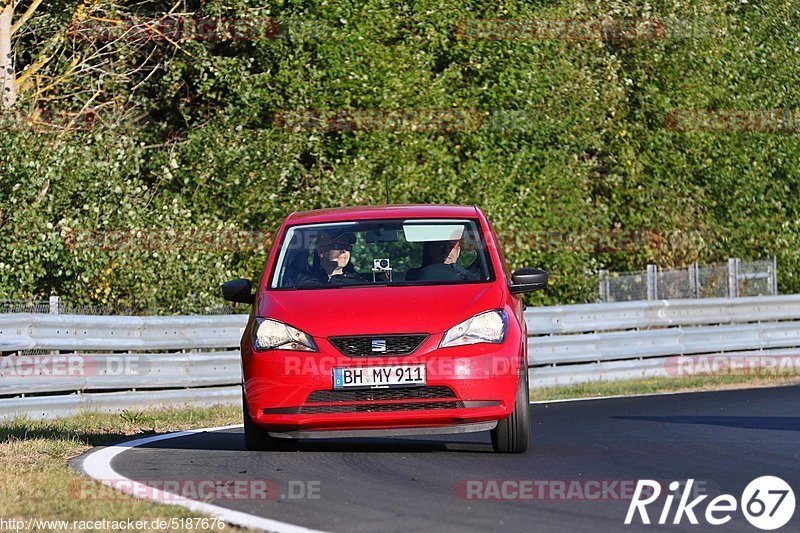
24	306
720	280
756	278
623	286
712	281
673	284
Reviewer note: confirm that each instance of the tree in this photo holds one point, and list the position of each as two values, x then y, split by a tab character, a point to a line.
76	58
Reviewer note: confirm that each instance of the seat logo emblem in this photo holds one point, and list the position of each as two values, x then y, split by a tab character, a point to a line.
379	345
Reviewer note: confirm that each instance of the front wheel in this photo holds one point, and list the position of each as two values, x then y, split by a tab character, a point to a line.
256	438
513	434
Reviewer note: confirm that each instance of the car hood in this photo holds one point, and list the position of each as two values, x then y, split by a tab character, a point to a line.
379	310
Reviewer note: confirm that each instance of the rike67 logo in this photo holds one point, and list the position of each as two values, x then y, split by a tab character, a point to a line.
767	503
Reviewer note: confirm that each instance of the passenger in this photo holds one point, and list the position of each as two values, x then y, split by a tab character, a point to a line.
331	264
440	263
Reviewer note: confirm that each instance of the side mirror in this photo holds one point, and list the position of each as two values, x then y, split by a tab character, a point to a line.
528	279
239	291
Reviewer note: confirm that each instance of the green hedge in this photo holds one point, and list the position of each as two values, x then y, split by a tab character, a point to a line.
574	138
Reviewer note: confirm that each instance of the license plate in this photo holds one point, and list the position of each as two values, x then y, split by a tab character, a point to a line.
378	376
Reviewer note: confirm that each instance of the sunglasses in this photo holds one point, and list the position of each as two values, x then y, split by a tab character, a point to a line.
341	248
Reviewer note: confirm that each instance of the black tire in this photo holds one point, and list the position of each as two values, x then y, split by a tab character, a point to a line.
513	434
258	439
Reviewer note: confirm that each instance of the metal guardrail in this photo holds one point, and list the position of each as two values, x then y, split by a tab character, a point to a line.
660	313
118	333
48	407
588	347
120	371
658	367
593	342
568	344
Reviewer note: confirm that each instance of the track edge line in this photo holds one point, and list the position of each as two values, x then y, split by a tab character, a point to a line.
97	465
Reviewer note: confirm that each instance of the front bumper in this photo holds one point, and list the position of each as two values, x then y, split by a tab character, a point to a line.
483	379
392	432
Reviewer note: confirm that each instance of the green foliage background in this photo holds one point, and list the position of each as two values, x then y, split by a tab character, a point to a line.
588	149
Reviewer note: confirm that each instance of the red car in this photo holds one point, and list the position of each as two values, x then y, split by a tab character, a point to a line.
389	320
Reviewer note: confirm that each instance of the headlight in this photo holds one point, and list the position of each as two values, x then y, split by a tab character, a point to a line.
273	335
490	327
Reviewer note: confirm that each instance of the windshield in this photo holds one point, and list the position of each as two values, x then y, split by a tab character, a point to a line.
380	253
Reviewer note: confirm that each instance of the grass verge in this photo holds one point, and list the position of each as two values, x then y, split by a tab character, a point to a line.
36	482
635	387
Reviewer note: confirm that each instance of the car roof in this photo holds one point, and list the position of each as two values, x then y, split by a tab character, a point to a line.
382	211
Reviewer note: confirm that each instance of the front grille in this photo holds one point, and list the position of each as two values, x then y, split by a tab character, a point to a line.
405	393
379	407
363	345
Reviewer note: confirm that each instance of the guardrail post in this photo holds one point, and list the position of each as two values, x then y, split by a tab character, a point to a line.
652	282
604	286
694	280
54	305
733	277
774	275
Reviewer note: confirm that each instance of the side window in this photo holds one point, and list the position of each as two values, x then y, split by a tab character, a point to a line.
496	242
470	244
468	257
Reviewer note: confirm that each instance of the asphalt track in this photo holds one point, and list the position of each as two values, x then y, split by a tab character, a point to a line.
721	439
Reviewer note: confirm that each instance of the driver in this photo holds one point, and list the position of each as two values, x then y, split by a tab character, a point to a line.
332	265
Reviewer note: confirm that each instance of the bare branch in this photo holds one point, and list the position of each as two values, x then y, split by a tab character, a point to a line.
32	69
45	56
146	78
61	78
25	16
